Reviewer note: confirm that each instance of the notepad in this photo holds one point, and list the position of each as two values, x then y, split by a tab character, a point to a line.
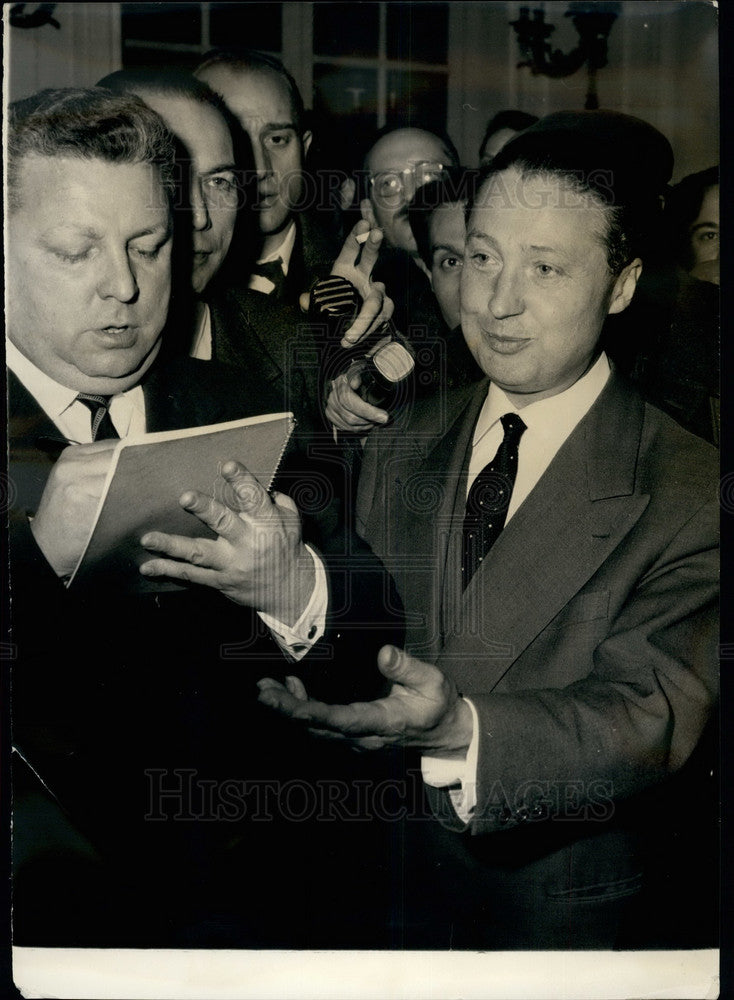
148	474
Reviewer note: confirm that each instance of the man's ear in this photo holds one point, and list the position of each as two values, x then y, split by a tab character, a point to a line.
624	286
306	141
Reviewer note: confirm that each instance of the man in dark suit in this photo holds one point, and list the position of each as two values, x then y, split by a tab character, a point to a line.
258	310
127	708
553	539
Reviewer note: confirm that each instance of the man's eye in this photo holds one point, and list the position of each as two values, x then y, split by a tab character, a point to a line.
546	270
480	259
147	253
221	182
450	263
708	236
278	140
70	257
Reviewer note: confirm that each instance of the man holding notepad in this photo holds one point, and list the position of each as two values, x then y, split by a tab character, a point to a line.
127	704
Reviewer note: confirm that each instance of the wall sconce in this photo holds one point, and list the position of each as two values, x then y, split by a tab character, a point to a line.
593	22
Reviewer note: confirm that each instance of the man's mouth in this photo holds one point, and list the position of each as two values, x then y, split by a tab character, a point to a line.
119	336
505	345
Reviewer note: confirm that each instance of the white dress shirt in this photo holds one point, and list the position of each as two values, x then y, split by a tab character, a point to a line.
127	412
202	341
549	423
284	250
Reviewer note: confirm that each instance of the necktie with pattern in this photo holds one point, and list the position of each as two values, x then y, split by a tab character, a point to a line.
489	498
99	407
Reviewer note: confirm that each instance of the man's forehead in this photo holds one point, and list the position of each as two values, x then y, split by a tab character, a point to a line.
58	190
405	148
201	128
257	96
533	191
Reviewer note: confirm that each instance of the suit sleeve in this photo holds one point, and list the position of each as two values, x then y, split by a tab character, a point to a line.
633	720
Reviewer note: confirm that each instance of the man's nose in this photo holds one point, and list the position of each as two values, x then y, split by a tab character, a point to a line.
199	209
263	164
117	280
506	294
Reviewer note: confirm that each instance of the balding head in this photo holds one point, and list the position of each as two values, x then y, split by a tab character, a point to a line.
398	164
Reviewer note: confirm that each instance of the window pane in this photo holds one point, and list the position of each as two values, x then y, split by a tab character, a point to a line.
135	58
418	32
345	29
169	22
416	98
254	25
345	91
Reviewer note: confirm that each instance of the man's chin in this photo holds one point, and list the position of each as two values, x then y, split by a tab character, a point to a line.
112	381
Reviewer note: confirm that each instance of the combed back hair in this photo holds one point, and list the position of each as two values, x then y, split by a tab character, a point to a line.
515	120
87	124
456	188
621	161
244	60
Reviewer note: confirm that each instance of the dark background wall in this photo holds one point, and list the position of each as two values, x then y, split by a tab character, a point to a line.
454	64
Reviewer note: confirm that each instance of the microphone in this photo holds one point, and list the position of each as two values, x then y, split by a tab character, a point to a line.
384	361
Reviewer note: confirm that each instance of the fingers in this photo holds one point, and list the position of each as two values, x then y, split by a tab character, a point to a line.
183	572
197	551
401	668
348	412
361	718
370	249
368	213
276	696
242	492
376	309
296	688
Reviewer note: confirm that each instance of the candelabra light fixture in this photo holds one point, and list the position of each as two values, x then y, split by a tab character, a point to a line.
592	20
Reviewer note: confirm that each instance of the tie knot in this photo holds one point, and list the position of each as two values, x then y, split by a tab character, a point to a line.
92	401
98	406
271	269
514	426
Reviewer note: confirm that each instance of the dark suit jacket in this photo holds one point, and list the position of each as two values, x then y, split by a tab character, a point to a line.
118	700
586	641
269	333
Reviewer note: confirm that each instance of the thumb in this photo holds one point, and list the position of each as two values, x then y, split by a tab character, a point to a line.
401	668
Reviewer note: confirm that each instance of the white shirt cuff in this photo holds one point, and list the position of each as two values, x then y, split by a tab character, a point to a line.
439	772
297	640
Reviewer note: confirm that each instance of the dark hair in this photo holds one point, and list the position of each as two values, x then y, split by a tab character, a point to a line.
681	209
87	123
623	162
457	187
515	120
243	60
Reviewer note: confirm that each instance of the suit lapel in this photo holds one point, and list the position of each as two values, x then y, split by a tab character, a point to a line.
557	539
426	482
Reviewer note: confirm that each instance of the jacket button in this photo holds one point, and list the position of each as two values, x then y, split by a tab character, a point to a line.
505	815
523	814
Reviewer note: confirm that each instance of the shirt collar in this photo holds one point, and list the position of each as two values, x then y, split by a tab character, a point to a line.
548	417
284	249
51	396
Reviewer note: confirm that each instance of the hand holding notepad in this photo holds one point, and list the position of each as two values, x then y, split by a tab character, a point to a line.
145	479
257	557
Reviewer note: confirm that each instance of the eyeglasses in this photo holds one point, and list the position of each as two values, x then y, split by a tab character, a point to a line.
390	184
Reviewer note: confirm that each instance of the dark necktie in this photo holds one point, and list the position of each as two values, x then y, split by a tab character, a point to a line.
99	406
489	498
273	271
